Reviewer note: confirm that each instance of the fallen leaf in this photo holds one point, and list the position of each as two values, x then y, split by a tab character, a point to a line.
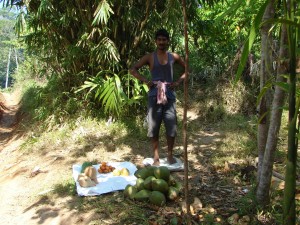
197	204
233	219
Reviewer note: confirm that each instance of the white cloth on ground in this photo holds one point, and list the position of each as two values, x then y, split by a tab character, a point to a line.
107	182
178	166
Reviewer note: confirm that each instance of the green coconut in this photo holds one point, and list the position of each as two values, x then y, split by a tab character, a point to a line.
162	172
130	191
178	186
142	195
171	181
151	170
140	184
172	193
148	182
157	198
142	173
160	185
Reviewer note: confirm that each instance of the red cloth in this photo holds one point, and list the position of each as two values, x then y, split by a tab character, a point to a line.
161	93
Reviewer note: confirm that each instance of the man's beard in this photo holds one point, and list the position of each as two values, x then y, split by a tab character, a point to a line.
162	47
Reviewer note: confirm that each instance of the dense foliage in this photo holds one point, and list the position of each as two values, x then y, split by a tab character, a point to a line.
75	43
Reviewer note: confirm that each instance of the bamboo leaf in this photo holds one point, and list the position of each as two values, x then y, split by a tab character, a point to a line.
262	117
231	11
283	85
283	21
102	13
252	35
263	92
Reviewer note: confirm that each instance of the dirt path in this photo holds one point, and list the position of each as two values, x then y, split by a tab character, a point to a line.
21	192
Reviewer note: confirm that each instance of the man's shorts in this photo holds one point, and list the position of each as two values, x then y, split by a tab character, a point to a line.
158	113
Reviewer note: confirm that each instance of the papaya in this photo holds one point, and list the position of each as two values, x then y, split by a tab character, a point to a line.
142	195
142	173
130	191
124	172
116	172
160	185
157	198
172	193
162	172
148	182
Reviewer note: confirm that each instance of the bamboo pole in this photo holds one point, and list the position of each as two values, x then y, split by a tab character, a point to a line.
7	69
186	189
16	58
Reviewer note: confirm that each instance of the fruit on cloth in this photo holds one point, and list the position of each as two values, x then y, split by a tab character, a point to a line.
85	165
130	191
172	193
162	172
142	195
148	182
105	168
85	181
121	172
91	172
160	185
125	172
157	198
116	172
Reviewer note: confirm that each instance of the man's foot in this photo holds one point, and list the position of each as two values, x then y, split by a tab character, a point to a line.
155	162
171	160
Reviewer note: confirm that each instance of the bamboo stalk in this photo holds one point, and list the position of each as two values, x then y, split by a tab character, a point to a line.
186	189
7	69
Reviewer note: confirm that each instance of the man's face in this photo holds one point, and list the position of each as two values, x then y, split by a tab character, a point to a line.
162	43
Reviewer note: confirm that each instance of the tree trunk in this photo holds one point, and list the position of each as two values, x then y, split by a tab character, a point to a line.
186	186
289	204
275	122
265	75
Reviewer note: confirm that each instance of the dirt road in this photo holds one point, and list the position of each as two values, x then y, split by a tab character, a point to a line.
21	193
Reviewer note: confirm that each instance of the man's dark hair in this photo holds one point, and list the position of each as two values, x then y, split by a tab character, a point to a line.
162	32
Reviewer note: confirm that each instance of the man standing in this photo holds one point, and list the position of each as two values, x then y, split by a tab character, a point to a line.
161	96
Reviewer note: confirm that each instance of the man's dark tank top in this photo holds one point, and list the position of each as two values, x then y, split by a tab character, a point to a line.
162	73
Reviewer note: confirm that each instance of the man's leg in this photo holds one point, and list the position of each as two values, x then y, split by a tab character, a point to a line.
170	121
155	141
170	142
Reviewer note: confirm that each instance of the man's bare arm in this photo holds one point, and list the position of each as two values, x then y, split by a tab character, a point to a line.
134	70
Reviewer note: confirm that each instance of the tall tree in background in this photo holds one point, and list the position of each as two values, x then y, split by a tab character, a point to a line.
288	40
265	156
7	41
